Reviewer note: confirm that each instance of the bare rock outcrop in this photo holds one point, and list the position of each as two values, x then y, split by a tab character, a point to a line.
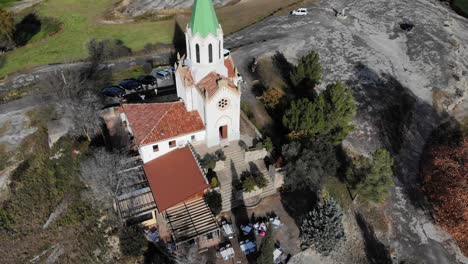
135	8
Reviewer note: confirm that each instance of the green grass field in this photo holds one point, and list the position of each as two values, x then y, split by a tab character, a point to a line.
80	22
7	3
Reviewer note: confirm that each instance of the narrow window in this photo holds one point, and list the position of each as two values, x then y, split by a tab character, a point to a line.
210	52
172	144
197	50
190	51
155	148
219	49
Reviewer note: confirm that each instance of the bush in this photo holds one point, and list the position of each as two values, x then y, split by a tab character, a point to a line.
209	161
252	180
268	144
214	201
6	221
214	182
323	227
273	97
220	155
249	184
132	241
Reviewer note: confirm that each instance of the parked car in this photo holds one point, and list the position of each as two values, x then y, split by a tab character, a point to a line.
162	74
130	84
147	80
113	91
299	12
171	69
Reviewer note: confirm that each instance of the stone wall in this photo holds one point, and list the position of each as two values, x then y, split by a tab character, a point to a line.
255	155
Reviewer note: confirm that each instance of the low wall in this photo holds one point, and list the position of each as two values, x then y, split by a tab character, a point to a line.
255	155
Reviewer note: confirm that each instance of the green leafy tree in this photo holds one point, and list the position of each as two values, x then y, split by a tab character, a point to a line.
7	24
214	201
372	179
328	116
303	169
308	71
267	247
322	227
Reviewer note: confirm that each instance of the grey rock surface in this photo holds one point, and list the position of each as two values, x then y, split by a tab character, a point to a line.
140	7
394	75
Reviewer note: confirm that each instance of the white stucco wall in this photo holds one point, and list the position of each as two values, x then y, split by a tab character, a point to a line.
147	154
216	117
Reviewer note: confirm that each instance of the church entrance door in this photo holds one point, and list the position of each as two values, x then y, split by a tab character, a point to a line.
223	132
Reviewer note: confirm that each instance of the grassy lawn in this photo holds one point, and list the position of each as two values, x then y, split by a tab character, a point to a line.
80	25
7	3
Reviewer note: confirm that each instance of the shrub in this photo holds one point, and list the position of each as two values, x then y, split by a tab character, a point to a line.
322	227
132	241
220	155
268	144
209	161
214	182
6	221
273	97
252	180
214	201
249	184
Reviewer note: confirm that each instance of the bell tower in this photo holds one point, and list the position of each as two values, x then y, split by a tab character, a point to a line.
204	41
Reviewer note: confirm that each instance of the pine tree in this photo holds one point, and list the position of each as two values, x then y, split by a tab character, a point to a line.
378	182
328	116
308	72
322	227
267	247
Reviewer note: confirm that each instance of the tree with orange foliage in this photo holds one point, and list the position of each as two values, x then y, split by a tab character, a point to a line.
445	175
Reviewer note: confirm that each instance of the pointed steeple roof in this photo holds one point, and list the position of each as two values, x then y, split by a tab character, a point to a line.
204	20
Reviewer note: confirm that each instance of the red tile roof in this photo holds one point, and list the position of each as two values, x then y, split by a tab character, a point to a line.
211	83
174	178
230	67
159	121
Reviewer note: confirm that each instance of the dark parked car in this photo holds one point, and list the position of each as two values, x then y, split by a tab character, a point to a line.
113	91
130	84
147	80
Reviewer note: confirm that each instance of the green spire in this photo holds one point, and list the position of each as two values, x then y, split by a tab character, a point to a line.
204	20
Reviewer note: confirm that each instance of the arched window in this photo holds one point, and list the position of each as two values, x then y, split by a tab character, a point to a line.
197	50
220	50
210	53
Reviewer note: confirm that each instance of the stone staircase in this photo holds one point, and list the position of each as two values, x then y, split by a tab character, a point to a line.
234	166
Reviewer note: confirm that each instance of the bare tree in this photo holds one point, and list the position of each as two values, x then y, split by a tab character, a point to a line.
107	176
75	97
